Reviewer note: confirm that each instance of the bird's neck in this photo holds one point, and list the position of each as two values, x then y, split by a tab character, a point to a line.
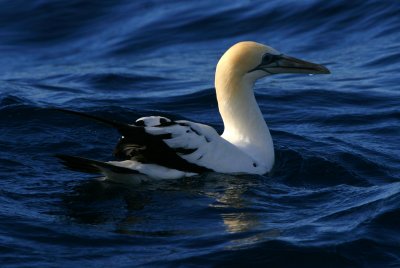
244	123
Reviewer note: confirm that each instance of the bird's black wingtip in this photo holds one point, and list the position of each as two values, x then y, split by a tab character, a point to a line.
90	116
80	164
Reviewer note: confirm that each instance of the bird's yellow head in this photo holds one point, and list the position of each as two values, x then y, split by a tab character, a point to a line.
254	60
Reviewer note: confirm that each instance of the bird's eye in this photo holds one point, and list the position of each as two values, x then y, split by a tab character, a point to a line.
269	58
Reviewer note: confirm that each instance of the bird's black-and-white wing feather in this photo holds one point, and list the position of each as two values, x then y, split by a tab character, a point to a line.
148	142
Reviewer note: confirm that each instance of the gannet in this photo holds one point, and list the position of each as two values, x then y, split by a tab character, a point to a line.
157	147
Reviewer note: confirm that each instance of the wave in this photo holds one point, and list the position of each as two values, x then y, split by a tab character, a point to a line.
91	25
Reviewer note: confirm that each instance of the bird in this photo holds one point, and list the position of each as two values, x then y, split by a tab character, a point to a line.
157	148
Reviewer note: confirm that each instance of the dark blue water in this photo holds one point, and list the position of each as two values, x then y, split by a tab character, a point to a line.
332	200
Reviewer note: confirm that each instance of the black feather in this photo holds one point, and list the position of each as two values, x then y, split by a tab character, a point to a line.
113	123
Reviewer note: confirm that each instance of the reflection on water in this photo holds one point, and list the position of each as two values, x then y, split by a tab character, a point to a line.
235	204
96	202
240	221
156	209
231	197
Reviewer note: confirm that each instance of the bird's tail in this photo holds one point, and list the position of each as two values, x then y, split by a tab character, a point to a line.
92	166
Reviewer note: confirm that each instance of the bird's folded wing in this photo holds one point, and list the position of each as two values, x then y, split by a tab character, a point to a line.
183	145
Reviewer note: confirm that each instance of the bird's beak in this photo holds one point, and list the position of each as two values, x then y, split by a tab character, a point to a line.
286	64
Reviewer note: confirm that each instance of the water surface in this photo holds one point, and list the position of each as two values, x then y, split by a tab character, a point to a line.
332	199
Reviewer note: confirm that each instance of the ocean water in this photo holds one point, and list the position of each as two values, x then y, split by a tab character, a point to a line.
332	199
